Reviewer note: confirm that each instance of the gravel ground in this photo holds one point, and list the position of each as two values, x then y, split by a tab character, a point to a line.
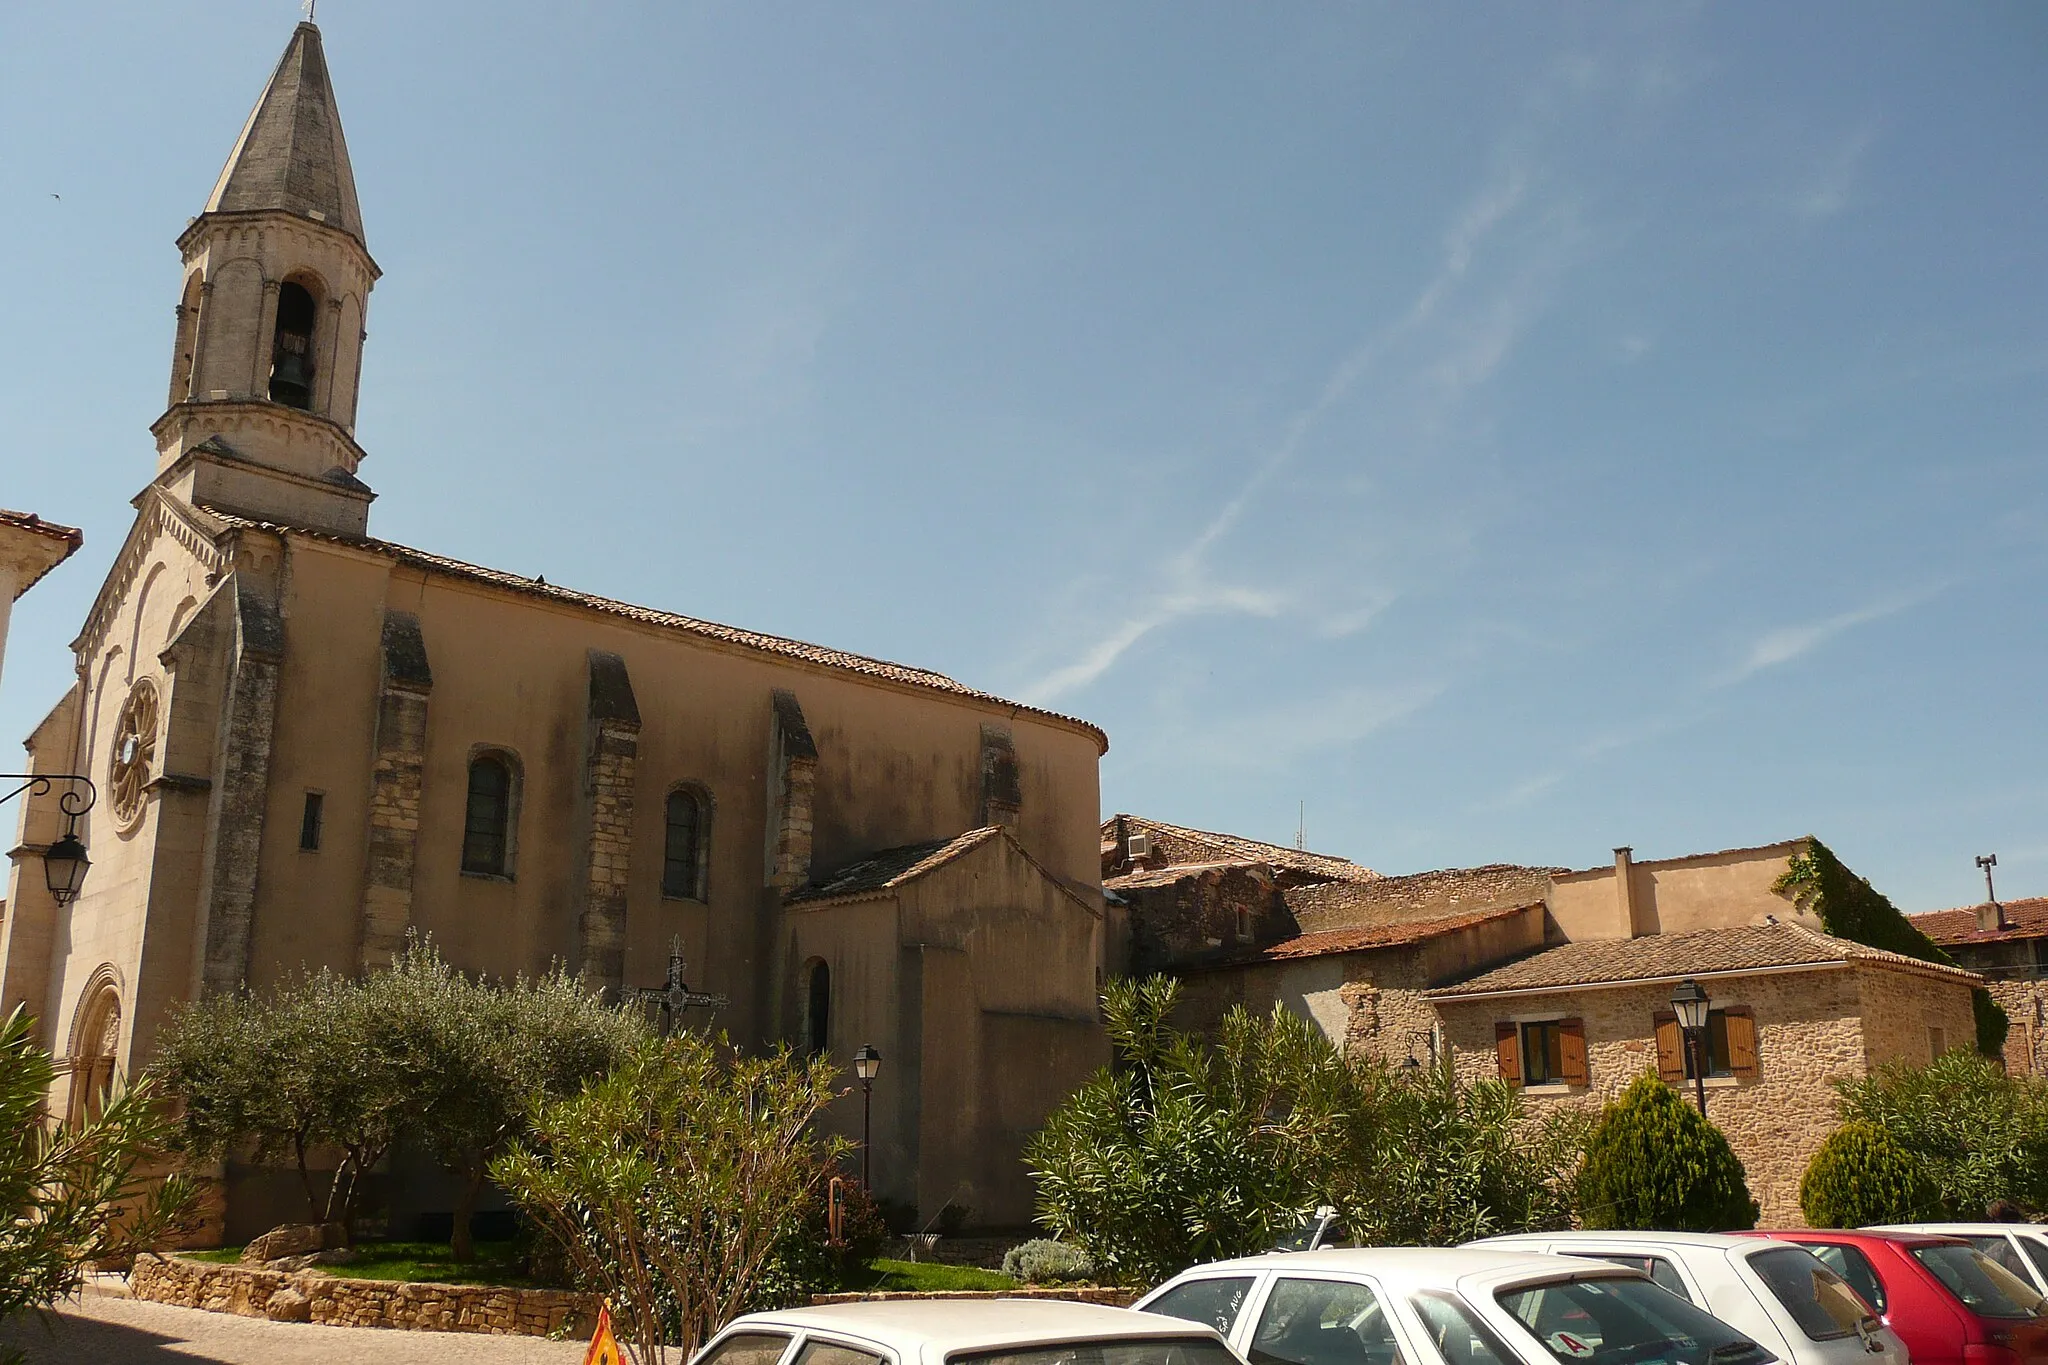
108	1328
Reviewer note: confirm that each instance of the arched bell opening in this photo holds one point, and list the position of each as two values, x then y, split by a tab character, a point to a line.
291	349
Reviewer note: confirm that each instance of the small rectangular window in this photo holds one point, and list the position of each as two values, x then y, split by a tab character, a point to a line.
1937	1042
309	823
1543	1053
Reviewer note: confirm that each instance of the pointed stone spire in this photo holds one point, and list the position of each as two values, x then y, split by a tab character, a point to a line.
291	155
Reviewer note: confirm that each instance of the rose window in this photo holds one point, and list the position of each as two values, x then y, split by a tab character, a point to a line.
134	758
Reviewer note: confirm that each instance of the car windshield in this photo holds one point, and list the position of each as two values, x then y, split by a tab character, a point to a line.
1819	1300
1625	1322
1123	1351
1984	1286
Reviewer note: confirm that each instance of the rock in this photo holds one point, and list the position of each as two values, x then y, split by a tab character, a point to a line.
292	1239
291	1265
337	1256
288	1305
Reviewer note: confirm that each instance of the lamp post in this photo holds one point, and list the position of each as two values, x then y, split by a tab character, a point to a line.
64	861
866	1062
1690	1003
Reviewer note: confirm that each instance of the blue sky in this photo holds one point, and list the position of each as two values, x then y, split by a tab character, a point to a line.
1506	430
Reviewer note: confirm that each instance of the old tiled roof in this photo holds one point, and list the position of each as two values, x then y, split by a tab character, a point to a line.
1161	876
1703	952
2027	918
1419	895
882	872
1233	848
64	540
1367	938
291	155
710	630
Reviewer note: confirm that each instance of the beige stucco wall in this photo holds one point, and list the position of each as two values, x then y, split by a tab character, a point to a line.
1811	1031
1672	895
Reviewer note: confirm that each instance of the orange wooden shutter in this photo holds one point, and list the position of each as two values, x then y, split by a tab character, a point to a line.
1572	1033
1741	1041
1507	1043
1670	1049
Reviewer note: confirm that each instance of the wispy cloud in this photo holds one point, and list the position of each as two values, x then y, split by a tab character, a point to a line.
1786	643
1160	611
1832	185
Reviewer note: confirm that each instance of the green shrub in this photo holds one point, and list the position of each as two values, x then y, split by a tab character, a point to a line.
1654	1162
1862	1176
1044	1261
1979	1134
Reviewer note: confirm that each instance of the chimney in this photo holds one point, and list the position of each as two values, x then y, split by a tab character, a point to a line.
1625	890
1990	916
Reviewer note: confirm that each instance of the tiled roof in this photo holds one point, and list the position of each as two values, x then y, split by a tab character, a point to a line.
1703	952
64	541
1419	895
882	872
2028	918
1367	938
1232	848
1161	876
710	630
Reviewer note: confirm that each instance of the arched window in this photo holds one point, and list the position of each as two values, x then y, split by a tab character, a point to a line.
686	844
291	348
96	1044
487	823
818	1011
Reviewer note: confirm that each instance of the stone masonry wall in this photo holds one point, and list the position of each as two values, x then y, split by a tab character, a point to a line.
614	757
395	783
1808	1034
253	1293
1901	1011
2026	1006
239	795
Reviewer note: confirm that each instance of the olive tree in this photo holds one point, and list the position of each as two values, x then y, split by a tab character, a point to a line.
669	1182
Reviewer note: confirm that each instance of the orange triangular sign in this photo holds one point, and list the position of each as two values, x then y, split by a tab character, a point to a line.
604	1348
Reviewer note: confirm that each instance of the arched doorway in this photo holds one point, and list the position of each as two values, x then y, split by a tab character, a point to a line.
96	1046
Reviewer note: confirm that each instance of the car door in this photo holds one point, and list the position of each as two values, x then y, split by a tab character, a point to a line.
1322	1320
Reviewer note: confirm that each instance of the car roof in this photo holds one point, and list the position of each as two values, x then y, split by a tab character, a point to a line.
972	1324
1860	1235
1949	1229
1719	1241
1406	1267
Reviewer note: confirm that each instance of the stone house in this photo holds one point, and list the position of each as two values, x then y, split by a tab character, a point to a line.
1792	1010
1556	980
2005	942
29	548
311	741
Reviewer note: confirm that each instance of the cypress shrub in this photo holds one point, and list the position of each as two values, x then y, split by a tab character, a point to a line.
1861	1176
1654	1163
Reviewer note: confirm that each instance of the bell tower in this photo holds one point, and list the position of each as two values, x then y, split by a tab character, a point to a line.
277	280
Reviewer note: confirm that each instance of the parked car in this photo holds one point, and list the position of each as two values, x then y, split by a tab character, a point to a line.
2021	1248
1774	1293
1446	1306
1949	1302
963	1332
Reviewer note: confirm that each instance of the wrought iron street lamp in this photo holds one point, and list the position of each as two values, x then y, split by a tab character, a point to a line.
64	861
866	1062
1691	1003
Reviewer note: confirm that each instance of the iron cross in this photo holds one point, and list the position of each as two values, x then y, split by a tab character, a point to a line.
674	995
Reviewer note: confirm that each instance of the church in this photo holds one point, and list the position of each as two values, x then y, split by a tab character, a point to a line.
309	742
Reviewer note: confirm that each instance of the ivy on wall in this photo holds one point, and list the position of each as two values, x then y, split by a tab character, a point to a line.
1848	906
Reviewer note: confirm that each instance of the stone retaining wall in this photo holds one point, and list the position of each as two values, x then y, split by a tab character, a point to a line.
308	1296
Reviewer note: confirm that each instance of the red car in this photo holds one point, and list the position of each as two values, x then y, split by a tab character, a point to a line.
1949	1302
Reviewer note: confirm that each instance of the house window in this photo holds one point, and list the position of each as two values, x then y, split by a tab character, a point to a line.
818	1011
1542	1051
487	823
1244	924
309	822
1729	1045
1937	1042
686	843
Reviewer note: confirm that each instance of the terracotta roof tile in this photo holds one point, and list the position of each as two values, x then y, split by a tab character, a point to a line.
1702	952
1367	938
2027	918
711	630
883	872
1418	895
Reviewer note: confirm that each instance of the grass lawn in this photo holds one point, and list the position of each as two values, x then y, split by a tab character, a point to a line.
496	1263
923	1277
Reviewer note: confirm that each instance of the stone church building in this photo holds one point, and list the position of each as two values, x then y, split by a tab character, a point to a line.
309	742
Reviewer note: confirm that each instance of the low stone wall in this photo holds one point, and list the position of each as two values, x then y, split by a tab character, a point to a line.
308	1296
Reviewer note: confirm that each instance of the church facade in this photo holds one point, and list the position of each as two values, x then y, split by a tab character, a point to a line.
310	742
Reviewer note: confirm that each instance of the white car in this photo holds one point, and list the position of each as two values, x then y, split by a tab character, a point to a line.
1446	1306
963	1332
1773	1292
2021	1248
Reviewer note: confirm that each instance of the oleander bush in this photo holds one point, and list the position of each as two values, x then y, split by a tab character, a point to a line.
1979	1135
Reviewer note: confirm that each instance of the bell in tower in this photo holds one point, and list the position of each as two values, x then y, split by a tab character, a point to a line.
291	350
